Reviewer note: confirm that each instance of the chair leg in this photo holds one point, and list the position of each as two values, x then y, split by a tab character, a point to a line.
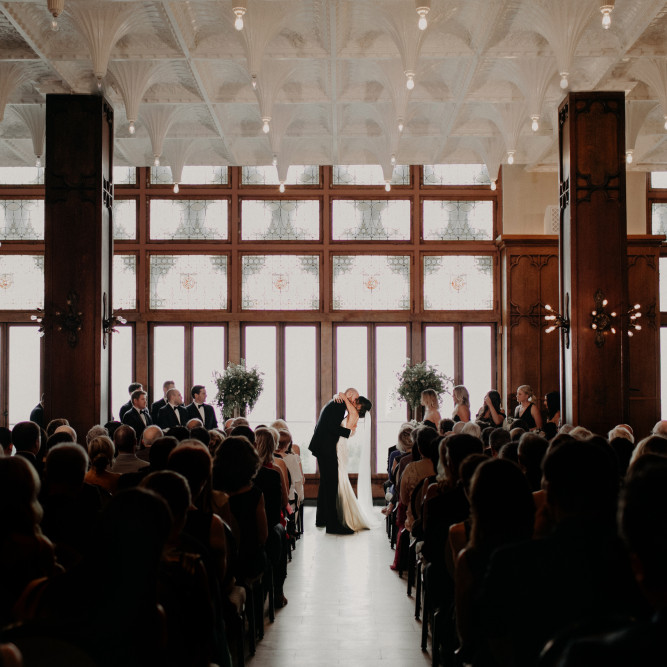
259	608
418	591
272	599
426	617
251	618
412	555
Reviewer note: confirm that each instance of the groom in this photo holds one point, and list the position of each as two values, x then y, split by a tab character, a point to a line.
323	445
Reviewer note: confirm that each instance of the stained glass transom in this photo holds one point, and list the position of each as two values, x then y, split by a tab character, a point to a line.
458	220
297	174
22	219
21	175
456	174
369	174
371	282
659	179
284	220
371	220
458	282
659	218
281	282
189	282
191	175
21	282
125	282
124	176
124	219
180	219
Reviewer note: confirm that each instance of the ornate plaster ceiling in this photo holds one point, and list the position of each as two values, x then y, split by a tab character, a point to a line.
330	78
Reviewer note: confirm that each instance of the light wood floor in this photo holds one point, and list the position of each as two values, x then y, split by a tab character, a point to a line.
346	607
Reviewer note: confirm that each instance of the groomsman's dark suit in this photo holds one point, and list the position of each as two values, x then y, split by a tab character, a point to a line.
166	417
133	418
124	409
156	407
209	419
323	445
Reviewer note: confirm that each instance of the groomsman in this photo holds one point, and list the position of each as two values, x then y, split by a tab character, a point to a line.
128	406
173	413
137	417
199	409
158	405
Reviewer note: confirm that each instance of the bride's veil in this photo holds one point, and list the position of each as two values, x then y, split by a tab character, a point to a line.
364	491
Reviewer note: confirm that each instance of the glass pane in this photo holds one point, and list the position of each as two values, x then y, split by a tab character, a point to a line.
369	174
286	220
352	371
260	351
371	282
191	175
21	282
208	354
176	219
124	219
301	388
168	346
659	218
188	281
121	367
439	352
280	282
125	282
21	175
124	176
458	282
297	174
370	220
478	376
24	372
21	219
458	220
659	179
663	372
456	174
390	355
663	283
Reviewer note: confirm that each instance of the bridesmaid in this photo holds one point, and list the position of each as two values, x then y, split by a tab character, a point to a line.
429	399
527	410
461	404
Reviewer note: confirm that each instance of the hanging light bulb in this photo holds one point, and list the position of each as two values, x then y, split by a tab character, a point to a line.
400	124
564	83
422	11
254	82
274	160
176	188
510	157
56	8
131	129
265	125
393	159
628	156
493	185
535	125
282	186
606	10
54	25
410	83
38	161
156	161
665	117
239	12
387	186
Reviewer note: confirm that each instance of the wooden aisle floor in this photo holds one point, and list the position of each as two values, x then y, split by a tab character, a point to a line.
345	606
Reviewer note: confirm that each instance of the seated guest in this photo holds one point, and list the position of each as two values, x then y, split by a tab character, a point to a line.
200	409
6	441
180	433
660	428
201	434
111	427
473	429
159	404
293	463
173	413
101	453
125	442
96	431
54	424
66	428
148	437
654	444
510	451
128	406
497	438
446	425
137	417
531	451
580	433
623	449
195	422
26	438
215	439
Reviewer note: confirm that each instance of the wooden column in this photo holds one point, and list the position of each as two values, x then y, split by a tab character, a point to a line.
593	258
77	263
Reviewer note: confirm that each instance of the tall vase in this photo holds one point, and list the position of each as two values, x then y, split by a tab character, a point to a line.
237	411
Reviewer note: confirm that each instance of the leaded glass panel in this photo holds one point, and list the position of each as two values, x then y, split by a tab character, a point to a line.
125	282
371	220
194	219
297	174
371	282
191	175
456	174
124	219
21	175
21	282
22	219
280	282
659	179
659	218
458	282
124	176
458	220
282	220
189	282
369	174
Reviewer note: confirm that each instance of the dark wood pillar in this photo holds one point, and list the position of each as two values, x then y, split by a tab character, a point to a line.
593	258
77	263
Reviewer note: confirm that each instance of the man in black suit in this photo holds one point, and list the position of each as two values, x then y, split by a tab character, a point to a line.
137	417
128	406
199	409
323	445
37	413
173	413
158	405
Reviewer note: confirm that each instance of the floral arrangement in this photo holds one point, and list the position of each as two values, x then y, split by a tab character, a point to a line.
413	379
238	388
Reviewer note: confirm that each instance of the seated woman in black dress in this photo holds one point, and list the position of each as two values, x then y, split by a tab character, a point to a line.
491	413
527	410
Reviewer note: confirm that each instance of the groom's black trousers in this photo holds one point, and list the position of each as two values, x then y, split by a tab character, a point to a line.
327	495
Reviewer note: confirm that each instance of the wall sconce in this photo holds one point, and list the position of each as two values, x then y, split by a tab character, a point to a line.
39	318
602	321
68	320
556	320
109	322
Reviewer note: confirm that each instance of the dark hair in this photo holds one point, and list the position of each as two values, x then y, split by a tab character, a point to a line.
196	389
54	424
137	394
134	386
235	464
159	452
193	461
497	438
5	437
364	406
623	449
172	487
459	447
101	453
66	464
509	451
125	439
467	469
427	442
494	396
26	437
111	427
244	431
553	403
19	488
445	425
201	434
58	439
531	451
179	432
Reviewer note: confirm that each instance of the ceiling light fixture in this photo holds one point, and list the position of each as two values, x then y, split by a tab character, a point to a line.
131	129
56	8
38	161
282	186
628	156
393	159
606	10
156	161
387	186
254	82
400	124
410	83
535	125
564	83
239	12
176	188
422	10
510	157
265	125
274	160
493	185
665	117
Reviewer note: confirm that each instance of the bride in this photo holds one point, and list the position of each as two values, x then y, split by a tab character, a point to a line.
350	511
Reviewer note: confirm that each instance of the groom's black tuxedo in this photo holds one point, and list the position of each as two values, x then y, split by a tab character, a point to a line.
323	445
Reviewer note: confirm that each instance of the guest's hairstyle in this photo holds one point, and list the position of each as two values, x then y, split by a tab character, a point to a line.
279	425
59	438
66	464
101	452
429	399
473	429
526	388
265	443
137	394
216	438
196	389
502	509
580	433
566	428
193	461
427	443
201	434
66	428
5	438
364	406
194	423
454	449
54	424
458	427
404	442
467	469
494	397
151	434
623	449
235	464
134	386
96	431
179	432
166	384
125	439
517	431
509	452
173	488
111	427
19	489
284	441
559	439
653	444
497	438
620	432
486	434
244	431
26	437
460	395
660	428
531	452
158	454
445	426
552	399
